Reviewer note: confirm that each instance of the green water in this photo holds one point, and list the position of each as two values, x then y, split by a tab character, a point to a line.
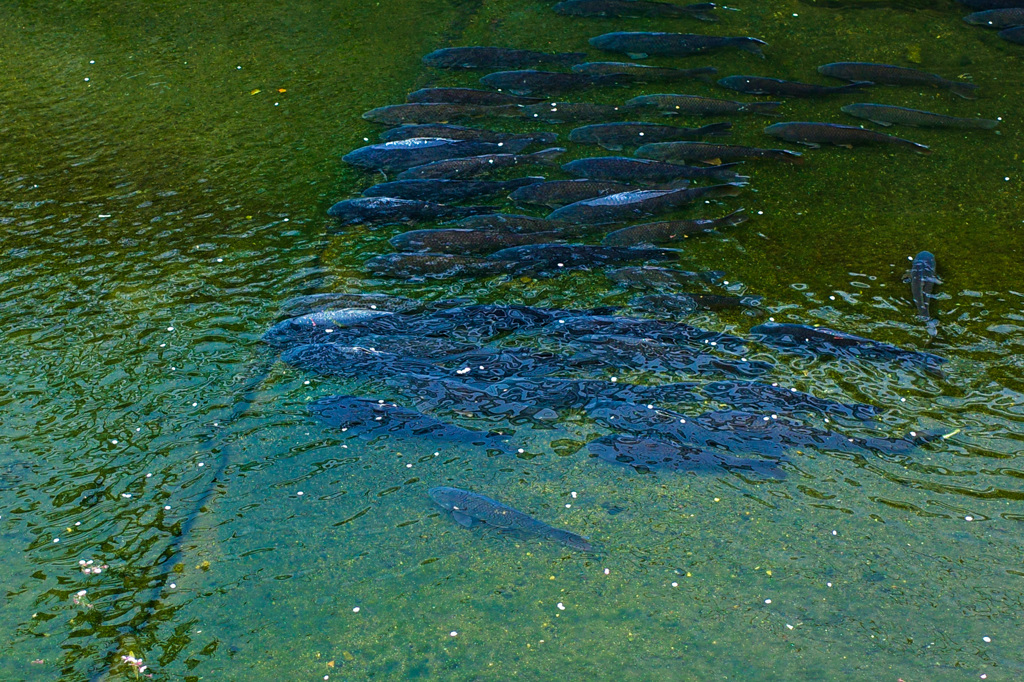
164	172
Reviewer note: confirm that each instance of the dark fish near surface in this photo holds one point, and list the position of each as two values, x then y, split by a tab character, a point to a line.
339	360
650	355
454	132
315	327
401	154
561	192
373	419
572	112
449	395
766	435
652	276
922	279
887	74
821	340
1013	35
626	169
511	222
496	58
554	257
1006	17
642	73
640	45
477	165
674	152
315	303
429	112
754	395
468	241
817	134
629	205
466	96
468	508
683	304
757	85
646	454
694	105
496	364
577	394
886	115
635	8
433	265
387	210
615	136
989	4
444	190
531	82
571	327
671	230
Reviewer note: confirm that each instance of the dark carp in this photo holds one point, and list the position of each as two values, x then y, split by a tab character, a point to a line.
824	341
455	132
922	279
402	154
671	230
554	257
1006	17
315	303
444	190
755	395
621	351
817	134
615	136
640	45
511	222
1013	35
886	115
887	74
372	419
475	241
429	112
573	112
497	58
433	266
684	304
561	192
388	210
316	327
693	105
644	73
627	169
468	508
635	8
531	82
707	152
646	454
466	96
757	85
656	277
470	166
768	435
626	206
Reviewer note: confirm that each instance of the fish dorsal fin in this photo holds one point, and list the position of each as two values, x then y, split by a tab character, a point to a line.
462	519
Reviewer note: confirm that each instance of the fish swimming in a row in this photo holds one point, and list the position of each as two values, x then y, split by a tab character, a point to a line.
713	153
671	230
816	134
617	135
640	45
497	58
444	190
471	166
625	206
635	8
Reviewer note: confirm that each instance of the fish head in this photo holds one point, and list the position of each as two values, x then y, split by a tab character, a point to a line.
446	497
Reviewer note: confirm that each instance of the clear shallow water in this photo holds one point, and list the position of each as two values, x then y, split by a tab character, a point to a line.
155	216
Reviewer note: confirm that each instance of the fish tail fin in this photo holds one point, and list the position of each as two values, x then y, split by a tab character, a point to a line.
726	171
714	129
854	86
571	58
752	45
763	108
702	11
706	73
984	123
735	218
965	90
788	155
547	156
542	138
727	190
919	148
577	542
